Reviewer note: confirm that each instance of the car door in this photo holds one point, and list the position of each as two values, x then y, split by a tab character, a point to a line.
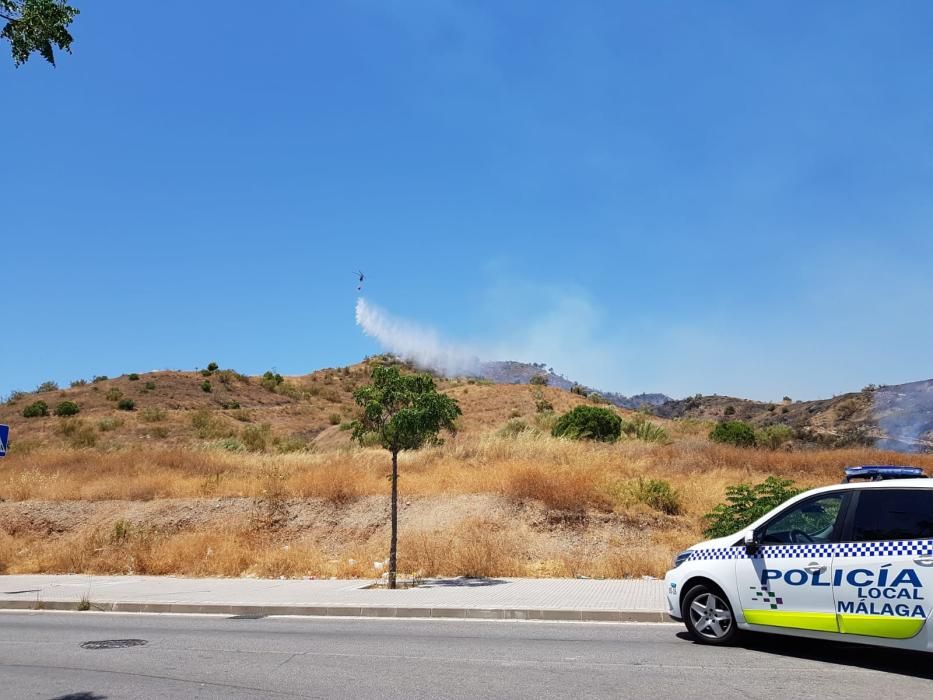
786	581
883	572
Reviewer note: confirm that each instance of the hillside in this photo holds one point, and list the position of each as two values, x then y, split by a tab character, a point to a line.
897	417
236	412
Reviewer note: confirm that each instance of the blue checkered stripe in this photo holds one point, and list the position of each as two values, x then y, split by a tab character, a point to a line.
903	548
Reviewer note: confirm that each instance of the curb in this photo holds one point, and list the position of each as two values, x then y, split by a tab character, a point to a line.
354	611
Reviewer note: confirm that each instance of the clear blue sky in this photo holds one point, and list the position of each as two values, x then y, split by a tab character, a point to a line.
654	196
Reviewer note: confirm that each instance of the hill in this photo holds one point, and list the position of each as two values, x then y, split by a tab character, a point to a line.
897	417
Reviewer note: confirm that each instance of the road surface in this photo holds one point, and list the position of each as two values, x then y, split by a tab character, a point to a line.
41	656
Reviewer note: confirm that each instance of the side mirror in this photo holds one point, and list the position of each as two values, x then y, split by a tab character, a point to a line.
751	543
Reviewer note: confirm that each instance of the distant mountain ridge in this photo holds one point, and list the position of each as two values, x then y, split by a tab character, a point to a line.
511	372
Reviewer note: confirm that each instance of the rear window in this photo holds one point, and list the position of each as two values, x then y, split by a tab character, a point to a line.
893	514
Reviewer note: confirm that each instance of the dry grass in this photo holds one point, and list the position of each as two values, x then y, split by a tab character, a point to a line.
565	508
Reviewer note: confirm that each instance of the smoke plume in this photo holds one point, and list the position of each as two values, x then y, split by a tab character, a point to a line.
418	345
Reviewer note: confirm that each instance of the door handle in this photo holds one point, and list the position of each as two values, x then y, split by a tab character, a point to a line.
813	567
924	561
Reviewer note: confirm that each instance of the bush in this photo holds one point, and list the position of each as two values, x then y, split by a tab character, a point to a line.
99	378
229	405
256	437
270	380
109	423
206	387
67	408
589	423
149	386
734	432
133	377
212	367
36	410
543	406
209	426
334	418
513	428
14	397
206	373
745	504
730	411
78	382
538	380
641	428
774	436
657	494
46	386
79	433
113	394
152	414
126	405
578	390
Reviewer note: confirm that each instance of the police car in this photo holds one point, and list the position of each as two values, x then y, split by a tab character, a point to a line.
848	562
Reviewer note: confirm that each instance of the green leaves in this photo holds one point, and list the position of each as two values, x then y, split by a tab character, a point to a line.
404	411
36	26
745	504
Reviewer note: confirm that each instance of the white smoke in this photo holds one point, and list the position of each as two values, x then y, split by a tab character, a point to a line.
420	346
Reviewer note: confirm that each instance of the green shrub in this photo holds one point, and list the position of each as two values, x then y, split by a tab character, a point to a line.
206	373
152	414
774	437
227	376
745	504
113	394
589	423
334	418
270	380
255	438
734	432
149	386
133	377
78	382
67	408
36	410
126	405
538	380
212	367
641	428
109	423
730	411
206	387
99	378
657	494
46	387
230	405
578	390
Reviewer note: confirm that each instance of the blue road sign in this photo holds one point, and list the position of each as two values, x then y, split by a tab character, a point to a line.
4	439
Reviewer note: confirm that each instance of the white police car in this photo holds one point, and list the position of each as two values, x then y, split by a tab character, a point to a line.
849	562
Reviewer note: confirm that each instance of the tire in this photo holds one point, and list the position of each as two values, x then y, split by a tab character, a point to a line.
708	616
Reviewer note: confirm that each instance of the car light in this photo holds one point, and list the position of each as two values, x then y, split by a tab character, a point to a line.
682	557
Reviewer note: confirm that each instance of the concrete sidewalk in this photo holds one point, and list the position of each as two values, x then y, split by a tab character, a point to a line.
631	600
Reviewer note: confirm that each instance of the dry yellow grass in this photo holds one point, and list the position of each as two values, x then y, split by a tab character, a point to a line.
530	476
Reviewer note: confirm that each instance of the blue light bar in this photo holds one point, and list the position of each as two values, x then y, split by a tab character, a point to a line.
883	471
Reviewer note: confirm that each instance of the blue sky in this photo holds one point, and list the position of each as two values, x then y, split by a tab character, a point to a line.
655	196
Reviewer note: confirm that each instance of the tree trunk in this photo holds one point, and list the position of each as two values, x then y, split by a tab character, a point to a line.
393	544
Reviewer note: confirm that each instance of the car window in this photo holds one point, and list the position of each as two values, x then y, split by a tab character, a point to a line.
893	514
812	520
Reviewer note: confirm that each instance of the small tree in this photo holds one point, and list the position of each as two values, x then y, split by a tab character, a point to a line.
36	26
403	412
745	504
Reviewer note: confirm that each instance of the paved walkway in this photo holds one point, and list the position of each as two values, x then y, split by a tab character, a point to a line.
637	600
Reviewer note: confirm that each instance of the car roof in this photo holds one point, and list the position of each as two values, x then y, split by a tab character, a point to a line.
920	483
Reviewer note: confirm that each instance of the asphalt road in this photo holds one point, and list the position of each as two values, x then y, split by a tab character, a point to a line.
41	656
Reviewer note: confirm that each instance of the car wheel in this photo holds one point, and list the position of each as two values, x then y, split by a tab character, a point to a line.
709	617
